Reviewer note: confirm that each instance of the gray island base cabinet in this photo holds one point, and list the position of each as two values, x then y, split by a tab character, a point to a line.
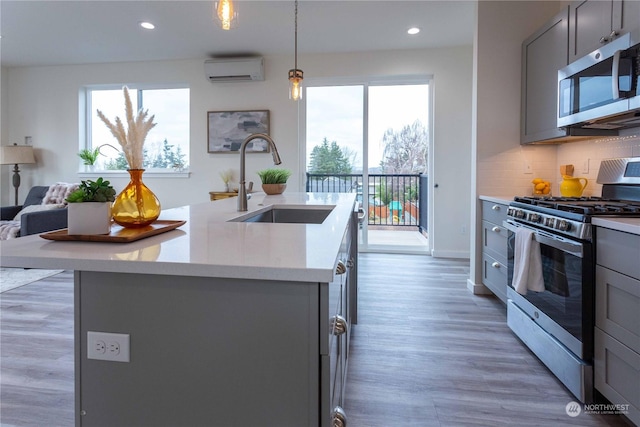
204	351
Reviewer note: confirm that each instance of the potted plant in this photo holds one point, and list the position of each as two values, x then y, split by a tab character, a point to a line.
226	176
89	157
90	207
274	180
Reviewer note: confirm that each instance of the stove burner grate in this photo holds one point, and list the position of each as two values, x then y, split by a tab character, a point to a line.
584	205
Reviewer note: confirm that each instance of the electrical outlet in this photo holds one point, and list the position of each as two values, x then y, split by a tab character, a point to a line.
108	346
99	347
527	168
585	166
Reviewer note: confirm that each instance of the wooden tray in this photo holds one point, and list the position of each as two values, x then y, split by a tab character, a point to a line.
118	233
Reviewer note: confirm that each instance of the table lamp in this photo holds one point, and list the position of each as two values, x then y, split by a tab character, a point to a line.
16	155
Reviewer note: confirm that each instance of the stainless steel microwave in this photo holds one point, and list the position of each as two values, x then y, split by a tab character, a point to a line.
600	90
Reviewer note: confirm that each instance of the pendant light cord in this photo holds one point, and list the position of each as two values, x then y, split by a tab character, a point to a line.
296	38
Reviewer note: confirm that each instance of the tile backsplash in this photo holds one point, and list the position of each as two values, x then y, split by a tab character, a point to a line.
510	172
586	157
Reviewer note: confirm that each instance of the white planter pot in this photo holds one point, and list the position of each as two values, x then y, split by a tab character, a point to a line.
89	218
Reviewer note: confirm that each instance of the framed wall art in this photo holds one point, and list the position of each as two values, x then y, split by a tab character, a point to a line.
226	130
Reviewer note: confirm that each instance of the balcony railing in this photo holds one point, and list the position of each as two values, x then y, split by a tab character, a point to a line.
394	199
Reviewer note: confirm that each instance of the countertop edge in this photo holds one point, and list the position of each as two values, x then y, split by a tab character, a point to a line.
505	200
626	225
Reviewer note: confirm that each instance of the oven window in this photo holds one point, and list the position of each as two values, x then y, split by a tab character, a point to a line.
562	299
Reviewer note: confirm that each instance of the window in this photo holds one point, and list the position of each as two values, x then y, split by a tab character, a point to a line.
167	144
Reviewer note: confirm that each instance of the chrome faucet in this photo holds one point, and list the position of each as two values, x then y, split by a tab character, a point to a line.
242	189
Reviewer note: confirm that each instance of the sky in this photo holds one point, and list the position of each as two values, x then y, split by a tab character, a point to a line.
336	112
170	108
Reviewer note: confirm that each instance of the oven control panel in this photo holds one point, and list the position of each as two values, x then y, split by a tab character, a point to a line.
576	229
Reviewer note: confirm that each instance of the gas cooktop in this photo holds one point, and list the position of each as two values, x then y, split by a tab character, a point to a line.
582	205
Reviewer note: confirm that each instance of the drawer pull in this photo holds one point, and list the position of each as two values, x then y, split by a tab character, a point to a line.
338	417
338	325
495	265
496	229
341	268
495	207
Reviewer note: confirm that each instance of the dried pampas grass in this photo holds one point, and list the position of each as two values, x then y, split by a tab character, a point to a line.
132	140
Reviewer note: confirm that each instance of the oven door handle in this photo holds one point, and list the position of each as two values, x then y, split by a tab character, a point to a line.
564	245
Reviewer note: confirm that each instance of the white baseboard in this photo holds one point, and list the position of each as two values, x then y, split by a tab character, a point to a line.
450	254
478	288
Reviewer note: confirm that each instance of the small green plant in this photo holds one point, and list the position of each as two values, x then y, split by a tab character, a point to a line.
274	176
384	194
412	193
88	156
93	191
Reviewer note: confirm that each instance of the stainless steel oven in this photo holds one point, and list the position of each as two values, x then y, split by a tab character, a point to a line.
557	324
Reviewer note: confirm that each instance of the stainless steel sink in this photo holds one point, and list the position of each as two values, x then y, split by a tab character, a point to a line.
288	215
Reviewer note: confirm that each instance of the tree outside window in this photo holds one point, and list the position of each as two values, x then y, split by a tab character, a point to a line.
167	144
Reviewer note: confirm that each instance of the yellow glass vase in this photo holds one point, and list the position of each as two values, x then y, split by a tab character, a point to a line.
136	206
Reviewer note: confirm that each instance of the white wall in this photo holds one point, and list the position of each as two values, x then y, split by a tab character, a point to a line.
498	157
43	102
4	131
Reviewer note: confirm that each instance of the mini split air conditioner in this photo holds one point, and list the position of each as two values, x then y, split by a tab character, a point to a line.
234	69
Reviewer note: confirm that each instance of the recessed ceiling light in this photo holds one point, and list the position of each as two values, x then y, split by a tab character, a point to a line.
413	30
147	25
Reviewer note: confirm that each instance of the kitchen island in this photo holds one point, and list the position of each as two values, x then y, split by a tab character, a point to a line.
218	322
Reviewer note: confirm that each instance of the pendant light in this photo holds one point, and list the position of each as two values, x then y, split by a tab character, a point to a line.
226	14
295	75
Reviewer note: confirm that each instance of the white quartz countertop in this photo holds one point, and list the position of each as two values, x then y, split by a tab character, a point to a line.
496	199
627	225
208	245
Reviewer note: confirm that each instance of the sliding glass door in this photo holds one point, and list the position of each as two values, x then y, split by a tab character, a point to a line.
372	139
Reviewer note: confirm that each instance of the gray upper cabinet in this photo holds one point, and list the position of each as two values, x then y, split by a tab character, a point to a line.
543	54
597	22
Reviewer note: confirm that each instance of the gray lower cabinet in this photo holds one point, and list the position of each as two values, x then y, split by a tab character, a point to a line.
214	351
494	248
617	332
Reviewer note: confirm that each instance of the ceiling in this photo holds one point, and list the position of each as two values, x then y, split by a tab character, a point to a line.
38	33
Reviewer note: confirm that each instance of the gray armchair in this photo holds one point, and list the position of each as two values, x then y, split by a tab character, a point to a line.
36	222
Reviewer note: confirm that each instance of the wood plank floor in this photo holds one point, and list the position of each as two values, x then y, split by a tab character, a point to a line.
426	352
36	354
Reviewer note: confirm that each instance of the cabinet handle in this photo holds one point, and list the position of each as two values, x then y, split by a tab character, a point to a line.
496	229
341	268
338	325
338	417
495	207
495	265
607	39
